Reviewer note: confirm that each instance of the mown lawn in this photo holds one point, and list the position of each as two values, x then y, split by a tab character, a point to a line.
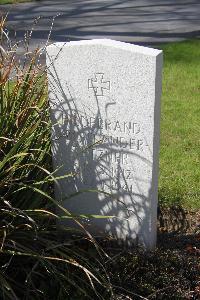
13	1
180	125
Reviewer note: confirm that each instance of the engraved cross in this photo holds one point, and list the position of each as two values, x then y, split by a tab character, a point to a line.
98	84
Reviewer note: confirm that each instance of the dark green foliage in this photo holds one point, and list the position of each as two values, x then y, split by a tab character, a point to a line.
32	257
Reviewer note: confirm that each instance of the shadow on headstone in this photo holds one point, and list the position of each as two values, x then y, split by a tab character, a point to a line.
104	99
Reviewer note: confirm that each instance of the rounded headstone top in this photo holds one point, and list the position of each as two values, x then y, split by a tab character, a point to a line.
109	43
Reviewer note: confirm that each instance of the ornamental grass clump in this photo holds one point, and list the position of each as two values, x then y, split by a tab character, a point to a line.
36	262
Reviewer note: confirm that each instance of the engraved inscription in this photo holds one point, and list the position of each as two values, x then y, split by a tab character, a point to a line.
133	139
98	84
127	127
110	145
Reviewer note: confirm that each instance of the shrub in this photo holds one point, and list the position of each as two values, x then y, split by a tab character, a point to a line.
34	256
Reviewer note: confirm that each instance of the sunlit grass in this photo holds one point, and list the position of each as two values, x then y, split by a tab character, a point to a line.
180	125
13	1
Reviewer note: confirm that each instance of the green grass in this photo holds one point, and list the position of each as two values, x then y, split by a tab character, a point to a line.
180	125
13	1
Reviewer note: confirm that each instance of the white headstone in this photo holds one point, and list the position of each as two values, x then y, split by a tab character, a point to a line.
105	110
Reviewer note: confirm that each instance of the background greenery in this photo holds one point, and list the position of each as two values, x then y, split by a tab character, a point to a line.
14	1
180	125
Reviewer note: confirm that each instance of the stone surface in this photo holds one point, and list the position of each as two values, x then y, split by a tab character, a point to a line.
105	109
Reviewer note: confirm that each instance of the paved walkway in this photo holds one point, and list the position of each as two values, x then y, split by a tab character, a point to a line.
135	21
